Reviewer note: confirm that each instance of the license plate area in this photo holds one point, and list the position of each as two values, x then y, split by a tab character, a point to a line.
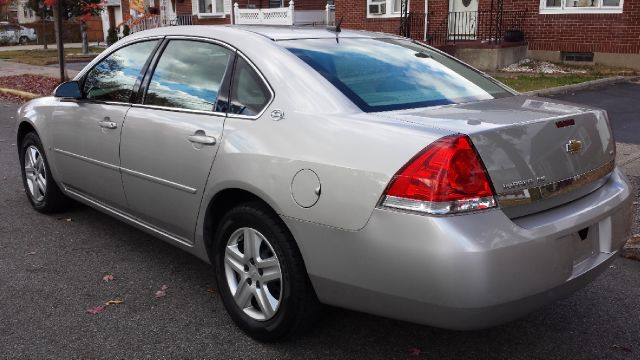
585	244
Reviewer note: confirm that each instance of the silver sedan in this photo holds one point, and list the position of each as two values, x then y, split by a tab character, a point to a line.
356	169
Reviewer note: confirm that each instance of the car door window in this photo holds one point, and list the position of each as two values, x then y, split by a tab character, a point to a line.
188	75
114	77
249	94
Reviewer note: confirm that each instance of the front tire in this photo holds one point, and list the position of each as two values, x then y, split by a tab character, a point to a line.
41	189
24	40
260	274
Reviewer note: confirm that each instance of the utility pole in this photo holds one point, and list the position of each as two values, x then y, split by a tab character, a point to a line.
58	12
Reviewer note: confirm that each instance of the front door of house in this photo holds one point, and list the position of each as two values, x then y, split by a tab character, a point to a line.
463	19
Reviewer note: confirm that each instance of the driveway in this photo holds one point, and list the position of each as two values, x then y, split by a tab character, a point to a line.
52	268
622	103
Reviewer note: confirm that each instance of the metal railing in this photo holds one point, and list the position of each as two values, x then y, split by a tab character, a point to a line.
412	25
182	20
490	26
145	22
484	26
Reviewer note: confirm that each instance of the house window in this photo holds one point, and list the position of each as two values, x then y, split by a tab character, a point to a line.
577	56
383	8
580	6
211	7
275	3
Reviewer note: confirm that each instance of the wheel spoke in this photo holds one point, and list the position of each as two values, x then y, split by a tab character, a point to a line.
270	269
30	174
243	294
28	168
251	243
42	185
39	164
271	275
32	156
263	302
234	259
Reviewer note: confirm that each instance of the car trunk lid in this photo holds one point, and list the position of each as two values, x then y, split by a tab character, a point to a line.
539	153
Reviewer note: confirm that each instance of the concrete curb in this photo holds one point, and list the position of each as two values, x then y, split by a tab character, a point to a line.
21	93
581	86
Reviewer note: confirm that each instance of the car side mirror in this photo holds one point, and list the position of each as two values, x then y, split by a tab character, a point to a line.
68	90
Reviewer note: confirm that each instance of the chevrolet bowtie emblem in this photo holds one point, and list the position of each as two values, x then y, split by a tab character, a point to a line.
574	146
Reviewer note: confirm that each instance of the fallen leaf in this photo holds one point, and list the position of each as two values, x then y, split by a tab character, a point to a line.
107	277
415	352
116	301
621	348
212	291
37	84
162	292
97	310
635	240
31	253
66	219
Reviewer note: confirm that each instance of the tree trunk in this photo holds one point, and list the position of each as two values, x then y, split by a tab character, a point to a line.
85	42
57	16
44	25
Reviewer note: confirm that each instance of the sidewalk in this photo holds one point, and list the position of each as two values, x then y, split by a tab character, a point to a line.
10	68
50	46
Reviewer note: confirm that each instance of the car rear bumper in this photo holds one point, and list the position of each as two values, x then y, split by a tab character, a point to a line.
470	271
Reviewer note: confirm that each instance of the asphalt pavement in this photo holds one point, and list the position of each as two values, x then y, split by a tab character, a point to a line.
621	102
52	269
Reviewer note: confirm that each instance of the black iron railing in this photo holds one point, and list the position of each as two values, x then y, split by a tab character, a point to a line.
491	26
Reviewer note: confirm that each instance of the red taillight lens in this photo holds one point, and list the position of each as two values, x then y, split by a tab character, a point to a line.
446	177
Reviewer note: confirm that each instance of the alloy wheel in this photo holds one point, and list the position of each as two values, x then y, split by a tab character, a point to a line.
36	174
253	274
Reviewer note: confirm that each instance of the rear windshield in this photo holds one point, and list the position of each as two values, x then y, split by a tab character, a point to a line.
392	74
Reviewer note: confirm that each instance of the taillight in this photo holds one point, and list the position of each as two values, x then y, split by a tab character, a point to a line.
446	177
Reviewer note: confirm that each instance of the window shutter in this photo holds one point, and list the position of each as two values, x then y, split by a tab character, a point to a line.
227	6
194	7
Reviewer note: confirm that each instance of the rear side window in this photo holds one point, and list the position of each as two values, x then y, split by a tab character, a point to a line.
188	75
249	93
114	77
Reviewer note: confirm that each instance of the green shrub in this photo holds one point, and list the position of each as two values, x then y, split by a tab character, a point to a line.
112	36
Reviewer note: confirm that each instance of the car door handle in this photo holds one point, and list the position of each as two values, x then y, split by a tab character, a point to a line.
107	124
202	139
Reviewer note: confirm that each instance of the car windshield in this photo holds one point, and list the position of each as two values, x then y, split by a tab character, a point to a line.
392	74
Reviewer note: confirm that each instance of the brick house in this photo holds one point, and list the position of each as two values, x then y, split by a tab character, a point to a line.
213	12
491	33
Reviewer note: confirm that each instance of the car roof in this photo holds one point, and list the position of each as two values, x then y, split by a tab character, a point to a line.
275	33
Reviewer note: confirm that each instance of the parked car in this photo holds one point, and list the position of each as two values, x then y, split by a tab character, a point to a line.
356	169
16	34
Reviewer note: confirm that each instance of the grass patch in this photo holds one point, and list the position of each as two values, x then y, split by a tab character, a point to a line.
536	82
41	57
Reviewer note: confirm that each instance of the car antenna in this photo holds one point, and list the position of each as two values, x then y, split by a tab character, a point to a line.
337	29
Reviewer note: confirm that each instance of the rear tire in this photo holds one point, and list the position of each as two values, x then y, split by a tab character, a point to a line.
293	305
41	189
24	40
